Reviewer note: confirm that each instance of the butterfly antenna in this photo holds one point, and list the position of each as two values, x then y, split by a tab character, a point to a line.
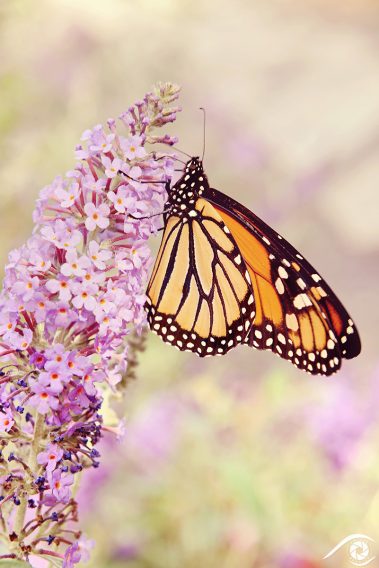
182	151
179	160
204	114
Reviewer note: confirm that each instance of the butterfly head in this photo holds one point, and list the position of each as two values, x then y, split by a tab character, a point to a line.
194	165
194	178
193	181
191	185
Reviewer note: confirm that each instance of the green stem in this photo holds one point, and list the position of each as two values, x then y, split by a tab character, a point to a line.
20	515
36	444
34	450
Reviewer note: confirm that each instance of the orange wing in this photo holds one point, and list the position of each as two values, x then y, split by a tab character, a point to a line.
298	317
199	296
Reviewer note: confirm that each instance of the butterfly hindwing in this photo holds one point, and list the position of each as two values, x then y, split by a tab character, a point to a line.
298	316
199	295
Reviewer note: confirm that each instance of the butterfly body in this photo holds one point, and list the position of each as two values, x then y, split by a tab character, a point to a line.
183	195
223	277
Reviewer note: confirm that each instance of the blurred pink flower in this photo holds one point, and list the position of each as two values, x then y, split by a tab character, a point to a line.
247	151
154	432
126	552
340	424
297	560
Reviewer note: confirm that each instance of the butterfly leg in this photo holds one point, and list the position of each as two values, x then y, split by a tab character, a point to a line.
167	210
120	172
175	158
168	187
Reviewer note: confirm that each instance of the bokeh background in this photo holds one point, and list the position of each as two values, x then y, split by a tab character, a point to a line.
241	461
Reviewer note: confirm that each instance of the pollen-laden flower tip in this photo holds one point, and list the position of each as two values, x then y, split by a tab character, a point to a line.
71	296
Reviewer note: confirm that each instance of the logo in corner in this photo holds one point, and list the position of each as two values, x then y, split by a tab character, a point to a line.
360	545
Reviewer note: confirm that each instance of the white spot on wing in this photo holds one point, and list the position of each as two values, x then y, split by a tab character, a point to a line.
279	286
301	283
281	338
301	301
282	272
292	322
321	291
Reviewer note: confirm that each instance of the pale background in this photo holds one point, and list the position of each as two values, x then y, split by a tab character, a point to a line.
242	461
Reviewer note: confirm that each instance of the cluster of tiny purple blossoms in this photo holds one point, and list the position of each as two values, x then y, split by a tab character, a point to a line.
71	296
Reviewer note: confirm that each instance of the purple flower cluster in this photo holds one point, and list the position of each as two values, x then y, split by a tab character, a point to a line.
71	296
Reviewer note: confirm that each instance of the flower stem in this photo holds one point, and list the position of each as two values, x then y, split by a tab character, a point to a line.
38	434
20	515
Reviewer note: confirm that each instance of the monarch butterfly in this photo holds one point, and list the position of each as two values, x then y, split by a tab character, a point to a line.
223	277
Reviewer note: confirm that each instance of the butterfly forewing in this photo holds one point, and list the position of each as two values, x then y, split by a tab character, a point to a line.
199	294
298	316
